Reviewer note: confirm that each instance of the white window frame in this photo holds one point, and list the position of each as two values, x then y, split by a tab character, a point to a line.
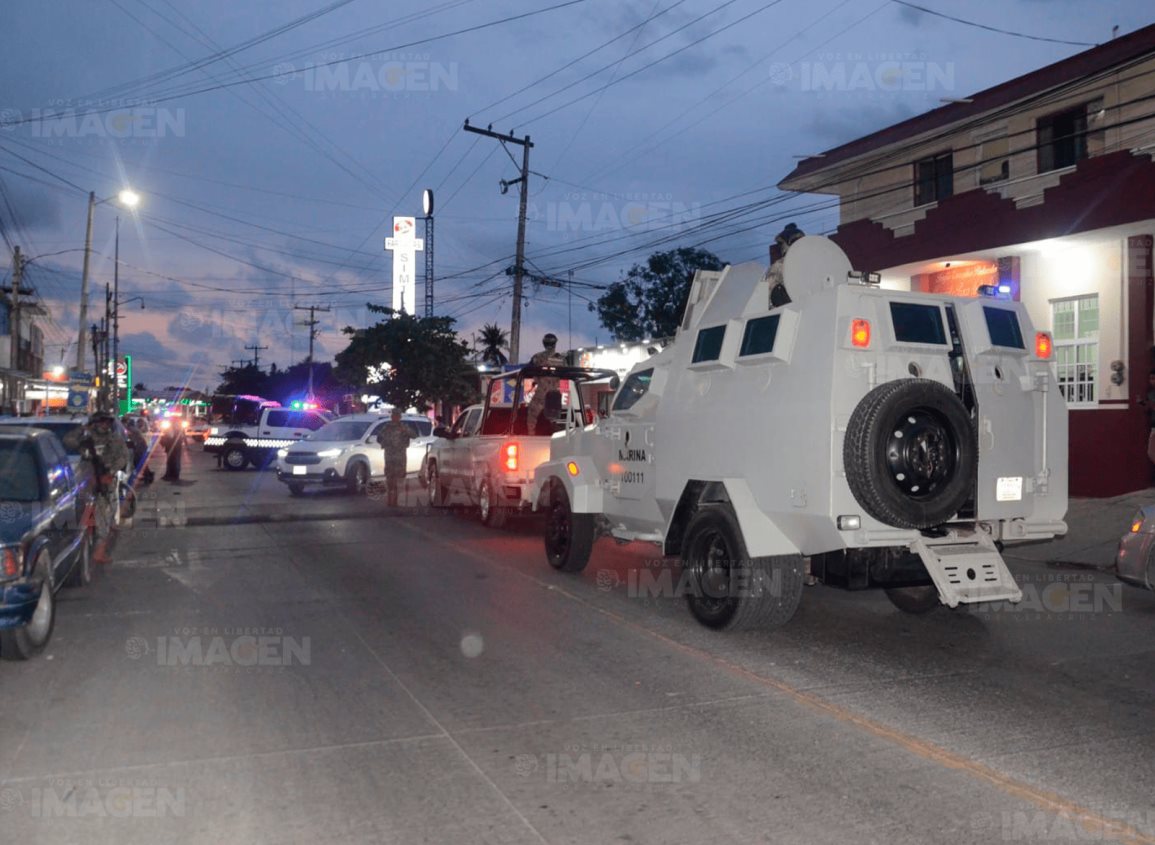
1074	344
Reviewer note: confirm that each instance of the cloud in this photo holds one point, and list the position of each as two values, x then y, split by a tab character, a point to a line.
145	345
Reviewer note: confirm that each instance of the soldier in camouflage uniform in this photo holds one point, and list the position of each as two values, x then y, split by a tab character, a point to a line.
394	438
778	294
105	451
548	357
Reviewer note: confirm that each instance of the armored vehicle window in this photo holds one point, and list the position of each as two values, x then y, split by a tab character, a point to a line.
917	323
635	387
759	335
709	344
1003	326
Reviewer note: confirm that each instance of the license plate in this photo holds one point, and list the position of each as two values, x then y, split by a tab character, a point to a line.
300	470
1009	489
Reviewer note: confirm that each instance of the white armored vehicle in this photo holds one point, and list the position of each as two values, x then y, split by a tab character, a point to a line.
856	436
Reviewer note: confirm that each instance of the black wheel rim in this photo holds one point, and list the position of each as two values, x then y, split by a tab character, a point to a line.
559	529
711	563
235	458
433	495
921	453
360	478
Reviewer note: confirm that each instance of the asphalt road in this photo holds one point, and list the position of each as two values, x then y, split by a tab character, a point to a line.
257	668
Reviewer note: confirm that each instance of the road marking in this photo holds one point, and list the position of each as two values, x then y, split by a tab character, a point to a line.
1089	821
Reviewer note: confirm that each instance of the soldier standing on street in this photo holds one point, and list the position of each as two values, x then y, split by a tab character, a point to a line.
394	438
548	357
105	451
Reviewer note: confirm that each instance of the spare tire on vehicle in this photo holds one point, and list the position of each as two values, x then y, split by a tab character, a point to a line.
911	453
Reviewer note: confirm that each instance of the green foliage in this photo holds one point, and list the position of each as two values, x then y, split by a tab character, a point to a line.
650	300
493	340
427	361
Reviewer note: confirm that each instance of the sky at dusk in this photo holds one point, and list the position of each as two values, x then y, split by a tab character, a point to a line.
273	142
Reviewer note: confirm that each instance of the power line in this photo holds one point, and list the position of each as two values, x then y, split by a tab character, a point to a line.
992	28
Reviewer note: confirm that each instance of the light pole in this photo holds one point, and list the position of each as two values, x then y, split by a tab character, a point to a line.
127	198
427	207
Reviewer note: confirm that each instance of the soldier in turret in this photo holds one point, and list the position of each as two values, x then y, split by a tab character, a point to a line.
548	357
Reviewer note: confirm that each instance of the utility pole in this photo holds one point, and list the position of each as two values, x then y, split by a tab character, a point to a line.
84	282
256	354
14	294
519	261
312	324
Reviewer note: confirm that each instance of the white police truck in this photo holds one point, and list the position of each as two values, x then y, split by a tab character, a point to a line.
856	436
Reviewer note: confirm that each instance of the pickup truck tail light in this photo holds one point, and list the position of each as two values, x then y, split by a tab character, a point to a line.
9	562
509	457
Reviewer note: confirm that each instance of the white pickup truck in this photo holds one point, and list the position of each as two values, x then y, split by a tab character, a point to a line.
856	436
276	428
488	457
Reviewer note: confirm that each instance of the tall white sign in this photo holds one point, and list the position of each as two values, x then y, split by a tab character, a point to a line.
404	244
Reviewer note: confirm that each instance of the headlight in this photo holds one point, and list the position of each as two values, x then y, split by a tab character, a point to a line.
214	430
330	453
282	453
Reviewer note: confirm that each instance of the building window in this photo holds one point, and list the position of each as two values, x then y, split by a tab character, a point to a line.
1075	328
933	178
1062	139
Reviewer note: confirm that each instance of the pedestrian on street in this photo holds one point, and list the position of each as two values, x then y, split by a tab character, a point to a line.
394	438
173	442
548	357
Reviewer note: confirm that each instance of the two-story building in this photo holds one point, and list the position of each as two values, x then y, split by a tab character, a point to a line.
1045	186
21	362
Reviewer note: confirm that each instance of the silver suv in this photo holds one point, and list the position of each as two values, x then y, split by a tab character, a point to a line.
345	453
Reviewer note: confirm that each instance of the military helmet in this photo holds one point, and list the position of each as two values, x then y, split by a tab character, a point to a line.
549	341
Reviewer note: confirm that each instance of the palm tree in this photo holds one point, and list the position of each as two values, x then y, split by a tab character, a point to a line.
493	338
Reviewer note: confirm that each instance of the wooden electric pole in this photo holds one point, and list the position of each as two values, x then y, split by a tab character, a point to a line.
519	261
312	324
256	354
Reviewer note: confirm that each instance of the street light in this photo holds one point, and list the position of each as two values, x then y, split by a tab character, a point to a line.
128	198
427	208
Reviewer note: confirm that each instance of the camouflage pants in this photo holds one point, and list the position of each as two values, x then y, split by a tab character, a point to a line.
394	477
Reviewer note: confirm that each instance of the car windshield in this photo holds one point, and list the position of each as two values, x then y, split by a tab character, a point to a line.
340	430
19	474
61	428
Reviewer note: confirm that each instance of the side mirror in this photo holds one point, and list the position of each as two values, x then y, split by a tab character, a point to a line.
615	383
441	431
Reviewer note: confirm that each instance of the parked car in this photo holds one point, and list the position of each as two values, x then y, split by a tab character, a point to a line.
345	452
1135	560
45	541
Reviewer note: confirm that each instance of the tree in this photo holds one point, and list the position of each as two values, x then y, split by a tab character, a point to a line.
246	379
408	360
493	339
139	387
650	300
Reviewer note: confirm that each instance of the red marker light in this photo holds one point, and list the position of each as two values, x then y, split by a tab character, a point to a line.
860	333
1042	345
9	563
511	461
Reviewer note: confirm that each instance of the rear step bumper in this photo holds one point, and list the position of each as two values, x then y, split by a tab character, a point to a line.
967	569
